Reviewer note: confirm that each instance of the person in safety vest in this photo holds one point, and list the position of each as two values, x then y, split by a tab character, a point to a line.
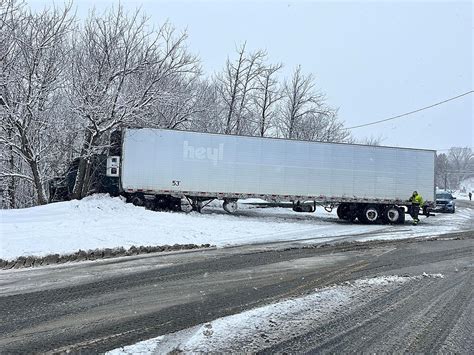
416	202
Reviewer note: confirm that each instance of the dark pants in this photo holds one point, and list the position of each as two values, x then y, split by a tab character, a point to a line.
414	211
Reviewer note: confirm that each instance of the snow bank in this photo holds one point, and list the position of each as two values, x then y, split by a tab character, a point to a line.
262	327
100	221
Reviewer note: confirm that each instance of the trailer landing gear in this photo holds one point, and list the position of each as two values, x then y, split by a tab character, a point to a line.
196	203
299	206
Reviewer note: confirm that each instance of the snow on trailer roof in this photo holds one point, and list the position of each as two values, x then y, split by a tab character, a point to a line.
282	139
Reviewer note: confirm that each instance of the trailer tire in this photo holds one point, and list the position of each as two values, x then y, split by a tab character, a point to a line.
392	215
370	214
343	211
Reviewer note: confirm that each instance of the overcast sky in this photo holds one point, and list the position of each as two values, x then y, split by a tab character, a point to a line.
372	59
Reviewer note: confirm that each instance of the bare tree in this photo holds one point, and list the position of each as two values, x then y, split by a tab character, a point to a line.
266	97
334	130
441	170
120	69
229	82
300	101
460	165
322	125
372	140
35	46
11	15
236	84
253	69
177	106
208	117
305	114
64	88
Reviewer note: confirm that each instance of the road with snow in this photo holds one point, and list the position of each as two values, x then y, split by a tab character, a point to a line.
412	294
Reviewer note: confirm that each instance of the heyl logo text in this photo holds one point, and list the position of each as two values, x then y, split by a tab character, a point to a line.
203	153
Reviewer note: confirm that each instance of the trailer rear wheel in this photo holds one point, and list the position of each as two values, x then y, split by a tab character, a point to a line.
343	211
392	215
369	215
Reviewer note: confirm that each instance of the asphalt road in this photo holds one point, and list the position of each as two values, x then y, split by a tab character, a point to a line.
426	316
102	305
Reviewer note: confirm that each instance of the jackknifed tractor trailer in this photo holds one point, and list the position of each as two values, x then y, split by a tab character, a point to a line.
167	169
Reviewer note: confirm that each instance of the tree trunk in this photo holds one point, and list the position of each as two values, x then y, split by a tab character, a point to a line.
11	193
87	178
41	194
228	127
264	115
35	170
81	170
12	183
77	191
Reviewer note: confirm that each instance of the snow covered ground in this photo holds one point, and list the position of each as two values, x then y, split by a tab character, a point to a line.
265	326
466	185
461	195
102	222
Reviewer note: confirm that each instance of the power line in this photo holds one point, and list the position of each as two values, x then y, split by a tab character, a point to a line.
412	112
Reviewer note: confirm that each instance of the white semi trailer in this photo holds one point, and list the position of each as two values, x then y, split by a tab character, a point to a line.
158	167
